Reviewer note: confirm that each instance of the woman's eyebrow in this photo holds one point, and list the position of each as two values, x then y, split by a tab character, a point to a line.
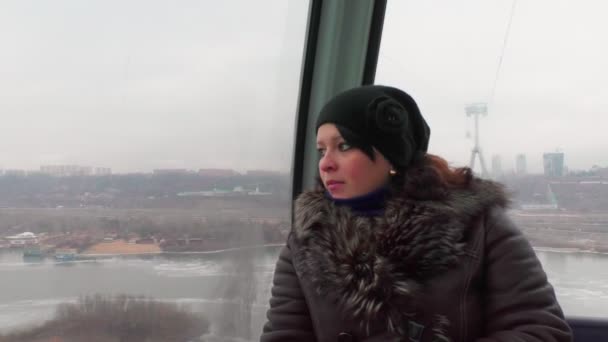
332	139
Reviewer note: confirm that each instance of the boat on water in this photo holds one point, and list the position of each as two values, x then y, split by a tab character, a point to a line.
64	255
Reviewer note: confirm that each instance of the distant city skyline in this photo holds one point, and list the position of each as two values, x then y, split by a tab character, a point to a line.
498	163
75	169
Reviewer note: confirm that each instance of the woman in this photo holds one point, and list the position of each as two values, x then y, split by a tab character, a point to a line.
396	246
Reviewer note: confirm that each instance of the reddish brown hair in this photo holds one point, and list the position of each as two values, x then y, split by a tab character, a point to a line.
431	178
451	177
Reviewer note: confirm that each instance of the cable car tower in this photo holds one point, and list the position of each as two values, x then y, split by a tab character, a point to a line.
475	110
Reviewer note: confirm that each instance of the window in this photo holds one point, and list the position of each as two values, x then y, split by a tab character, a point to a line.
537	70
146	152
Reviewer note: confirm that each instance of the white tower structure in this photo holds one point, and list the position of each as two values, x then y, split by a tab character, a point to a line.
475	110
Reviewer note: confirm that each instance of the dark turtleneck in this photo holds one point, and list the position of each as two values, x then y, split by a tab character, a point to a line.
370	204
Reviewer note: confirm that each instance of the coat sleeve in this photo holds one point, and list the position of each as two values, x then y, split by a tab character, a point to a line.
288	316
519	303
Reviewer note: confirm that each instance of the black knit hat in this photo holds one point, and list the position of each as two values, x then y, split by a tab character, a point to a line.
382	117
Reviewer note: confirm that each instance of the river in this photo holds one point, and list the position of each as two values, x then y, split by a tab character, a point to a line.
224	285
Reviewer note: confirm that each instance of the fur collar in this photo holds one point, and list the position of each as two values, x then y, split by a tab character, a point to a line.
372	267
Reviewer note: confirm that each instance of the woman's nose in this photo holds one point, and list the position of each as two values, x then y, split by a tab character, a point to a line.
327	163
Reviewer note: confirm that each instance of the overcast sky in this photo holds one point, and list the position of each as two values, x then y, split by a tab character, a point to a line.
138	85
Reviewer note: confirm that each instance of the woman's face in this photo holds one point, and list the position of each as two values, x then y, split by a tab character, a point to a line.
346	171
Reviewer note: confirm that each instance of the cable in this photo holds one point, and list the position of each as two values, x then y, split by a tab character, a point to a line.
502	52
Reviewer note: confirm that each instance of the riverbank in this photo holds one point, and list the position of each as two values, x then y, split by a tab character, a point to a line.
567	250
122	247
116	252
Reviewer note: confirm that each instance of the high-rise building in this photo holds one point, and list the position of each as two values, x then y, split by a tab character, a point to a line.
496	166
103	171
521	167
553	164
15	172
66	170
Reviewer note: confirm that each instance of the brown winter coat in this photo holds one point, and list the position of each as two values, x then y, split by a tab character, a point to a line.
452	271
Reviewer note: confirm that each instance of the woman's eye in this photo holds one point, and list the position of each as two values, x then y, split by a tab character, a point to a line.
344	146
321	151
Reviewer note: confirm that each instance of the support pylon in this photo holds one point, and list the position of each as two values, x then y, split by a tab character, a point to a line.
475	110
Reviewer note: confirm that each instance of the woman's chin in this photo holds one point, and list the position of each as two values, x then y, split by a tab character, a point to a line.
339	194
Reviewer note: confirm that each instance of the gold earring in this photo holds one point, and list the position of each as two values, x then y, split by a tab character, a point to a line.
392	172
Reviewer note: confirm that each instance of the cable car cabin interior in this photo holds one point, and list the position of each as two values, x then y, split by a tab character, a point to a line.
350	42
153	151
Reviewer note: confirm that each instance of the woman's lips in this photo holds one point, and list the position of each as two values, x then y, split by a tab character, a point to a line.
334	186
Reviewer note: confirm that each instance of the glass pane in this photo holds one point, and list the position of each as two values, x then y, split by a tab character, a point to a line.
145	166
533	74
